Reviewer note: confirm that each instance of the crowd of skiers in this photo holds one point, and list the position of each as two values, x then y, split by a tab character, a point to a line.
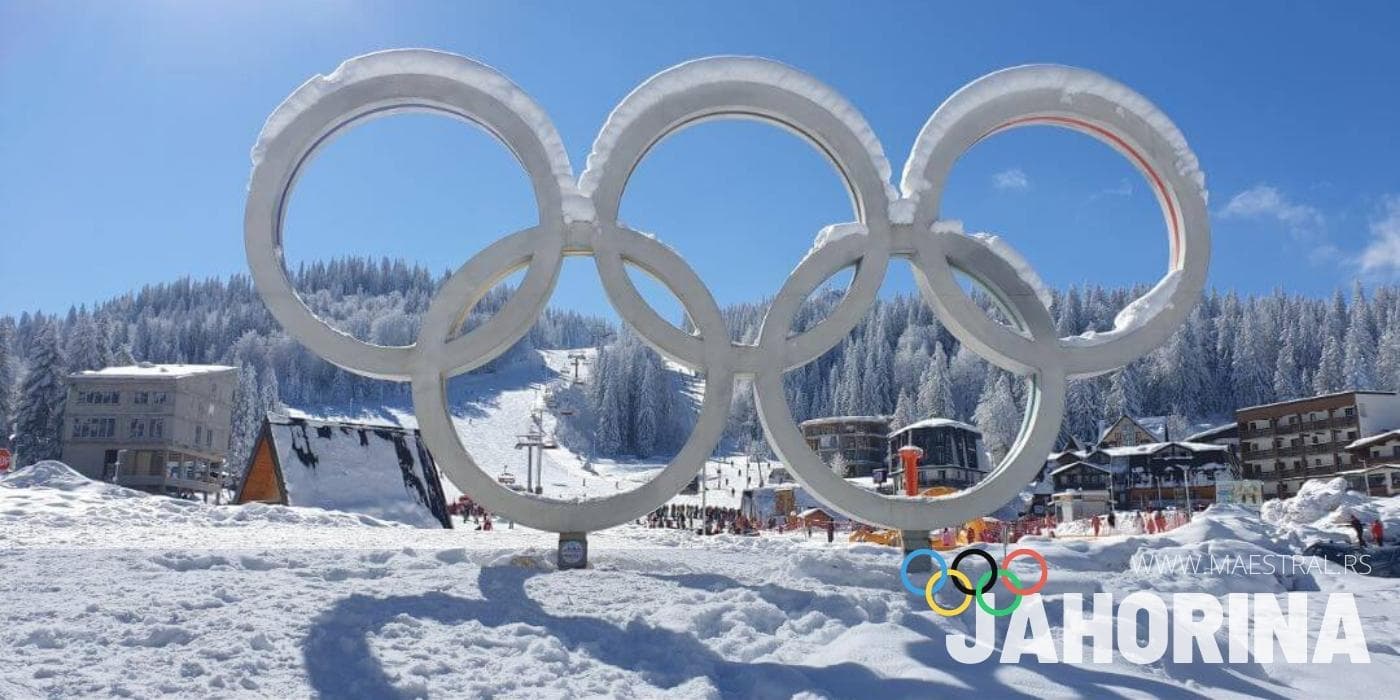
708	520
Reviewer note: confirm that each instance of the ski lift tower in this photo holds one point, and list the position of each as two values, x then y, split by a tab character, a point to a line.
533	444
578	357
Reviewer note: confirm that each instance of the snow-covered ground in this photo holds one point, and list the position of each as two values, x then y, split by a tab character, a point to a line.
108	592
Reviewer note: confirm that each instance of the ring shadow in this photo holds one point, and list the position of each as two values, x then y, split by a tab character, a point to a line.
340	663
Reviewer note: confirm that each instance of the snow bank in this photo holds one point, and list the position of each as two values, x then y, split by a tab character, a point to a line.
52	495
52	474
1322	510
1315	500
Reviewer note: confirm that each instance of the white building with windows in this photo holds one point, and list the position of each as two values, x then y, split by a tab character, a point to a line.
158	428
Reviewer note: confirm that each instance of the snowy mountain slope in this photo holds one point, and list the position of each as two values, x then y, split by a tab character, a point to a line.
492	409
159	601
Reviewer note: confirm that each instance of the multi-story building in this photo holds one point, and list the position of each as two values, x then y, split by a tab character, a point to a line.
1284	444
855	446
952	453
158	428
1379	457
1145	471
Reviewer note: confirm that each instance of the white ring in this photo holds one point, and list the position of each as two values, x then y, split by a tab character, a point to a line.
583	221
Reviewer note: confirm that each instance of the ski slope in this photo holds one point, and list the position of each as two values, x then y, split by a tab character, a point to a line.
491	410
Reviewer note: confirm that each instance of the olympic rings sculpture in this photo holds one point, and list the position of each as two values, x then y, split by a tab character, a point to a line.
579	217
964	585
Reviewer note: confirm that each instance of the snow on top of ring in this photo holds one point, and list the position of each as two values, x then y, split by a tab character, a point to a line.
426	62
1019	263
1133	316
1071	82
719	69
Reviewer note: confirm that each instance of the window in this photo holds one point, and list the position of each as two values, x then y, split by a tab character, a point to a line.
137	428
100	398
157	427
1350	411
198	435
159	397
94	427
141	397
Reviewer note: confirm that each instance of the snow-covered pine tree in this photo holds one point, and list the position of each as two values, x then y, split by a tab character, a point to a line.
841	466
1359	345
903	411
1329	376
935	398
8	369
39	415
1124	397
1288	380
86	349
650	420
1388	358
997	415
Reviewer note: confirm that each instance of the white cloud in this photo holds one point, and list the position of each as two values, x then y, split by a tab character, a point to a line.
1266	202
1013	179
1124	188
1304	222
1382	254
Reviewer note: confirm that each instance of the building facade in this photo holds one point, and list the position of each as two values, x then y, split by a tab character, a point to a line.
1285	444
952	453
1144	471
158	428
853	446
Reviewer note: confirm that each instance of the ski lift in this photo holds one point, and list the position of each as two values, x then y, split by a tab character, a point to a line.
507	480
549	443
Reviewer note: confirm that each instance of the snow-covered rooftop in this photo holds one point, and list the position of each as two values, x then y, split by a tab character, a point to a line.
828	420
1211	433
937	423
147	370
377	470
1374	439
1072	465
1366	392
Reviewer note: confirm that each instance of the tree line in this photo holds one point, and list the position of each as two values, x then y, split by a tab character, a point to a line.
1234	350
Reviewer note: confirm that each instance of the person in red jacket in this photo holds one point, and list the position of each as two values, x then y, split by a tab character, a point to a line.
1095	522
1378	532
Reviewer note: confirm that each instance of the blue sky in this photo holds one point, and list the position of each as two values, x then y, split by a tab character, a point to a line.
125	131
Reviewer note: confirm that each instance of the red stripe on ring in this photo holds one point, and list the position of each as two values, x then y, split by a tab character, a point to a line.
1141	161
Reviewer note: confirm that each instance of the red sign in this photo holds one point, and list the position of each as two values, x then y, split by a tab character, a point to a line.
4	460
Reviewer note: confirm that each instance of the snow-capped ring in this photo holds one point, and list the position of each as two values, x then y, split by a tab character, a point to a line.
383	83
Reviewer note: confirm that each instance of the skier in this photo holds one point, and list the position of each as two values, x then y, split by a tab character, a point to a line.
1112	522
1095	522
1356	525
809	530
830	531
1378	532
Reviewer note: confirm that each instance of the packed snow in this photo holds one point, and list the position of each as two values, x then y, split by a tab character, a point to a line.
111	592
